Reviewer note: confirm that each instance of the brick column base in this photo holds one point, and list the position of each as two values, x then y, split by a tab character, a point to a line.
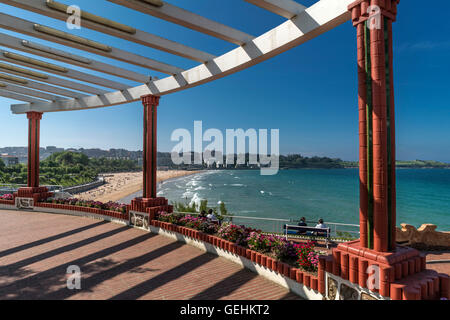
151	206
36	193
402	273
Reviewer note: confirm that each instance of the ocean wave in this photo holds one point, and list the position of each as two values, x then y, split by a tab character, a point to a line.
187	194
196	200
193	183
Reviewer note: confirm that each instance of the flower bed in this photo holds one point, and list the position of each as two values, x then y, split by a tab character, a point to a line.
108	206
299	262
66	205
7	199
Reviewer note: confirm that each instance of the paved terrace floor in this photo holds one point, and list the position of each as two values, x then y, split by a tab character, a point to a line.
116	262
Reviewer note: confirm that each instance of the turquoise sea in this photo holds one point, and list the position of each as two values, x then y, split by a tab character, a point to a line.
423	195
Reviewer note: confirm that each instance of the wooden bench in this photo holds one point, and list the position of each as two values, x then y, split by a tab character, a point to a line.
315	232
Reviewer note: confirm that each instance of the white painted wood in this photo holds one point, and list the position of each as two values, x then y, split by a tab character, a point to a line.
188	19
317	19
26	27
48	88
17	96
30	92
63	56
285	8
71	73
60	82
141	37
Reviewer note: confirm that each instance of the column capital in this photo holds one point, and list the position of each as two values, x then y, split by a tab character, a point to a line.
34	115
150	100
363	10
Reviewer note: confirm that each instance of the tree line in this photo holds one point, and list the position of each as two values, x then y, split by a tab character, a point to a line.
66	169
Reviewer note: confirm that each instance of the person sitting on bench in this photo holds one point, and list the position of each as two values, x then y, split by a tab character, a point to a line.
302	223
202	214
211	217
322	226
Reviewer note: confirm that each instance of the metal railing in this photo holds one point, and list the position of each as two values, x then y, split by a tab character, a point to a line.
13	187
276	225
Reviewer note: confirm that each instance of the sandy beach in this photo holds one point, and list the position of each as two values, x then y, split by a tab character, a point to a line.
121	185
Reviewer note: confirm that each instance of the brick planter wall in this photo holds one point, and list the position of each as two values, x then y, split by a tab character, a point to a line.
260	263
7	202
402	274
96	211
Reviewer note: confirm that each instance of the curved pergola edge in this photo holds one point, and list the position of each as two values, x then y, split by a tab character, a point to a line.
317	19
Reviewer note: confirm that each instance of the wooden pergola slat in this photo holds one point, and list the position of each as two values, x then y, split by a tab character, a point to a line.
27	27
188	19
140	36
29	92
285	8
70	73
47	88
66	57
60	82
17	96
317	19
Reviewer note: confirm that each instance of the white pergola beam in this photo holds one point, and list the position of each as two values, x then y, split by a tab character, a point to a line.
20	97
72	74
47	88
59	82
285	8
27	27
29	92
188	19
140	37
314	21
66	57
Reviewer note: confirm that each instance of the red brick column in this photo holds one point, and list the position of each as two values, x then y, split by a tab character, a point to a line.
373	20
34	119
150	103
149	203
33	190
363	137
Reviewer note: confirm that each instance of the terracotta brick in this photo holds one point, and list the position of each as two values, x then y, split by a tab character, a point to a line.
307	280
396	291
293	274
117	263
286	270
263	260
314	283
405	268
274	265
299	276
269	263
258	258
280	267
444	283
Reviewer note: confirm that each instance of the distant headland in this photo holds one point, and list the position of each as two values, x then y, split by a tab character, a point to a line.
291	161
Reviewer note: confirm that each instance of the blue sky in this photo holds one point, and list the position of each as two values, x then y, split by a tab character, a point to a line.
309	93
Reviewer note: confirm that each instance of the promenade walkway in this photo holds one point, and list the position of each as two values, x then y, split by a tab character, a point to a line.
117	262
